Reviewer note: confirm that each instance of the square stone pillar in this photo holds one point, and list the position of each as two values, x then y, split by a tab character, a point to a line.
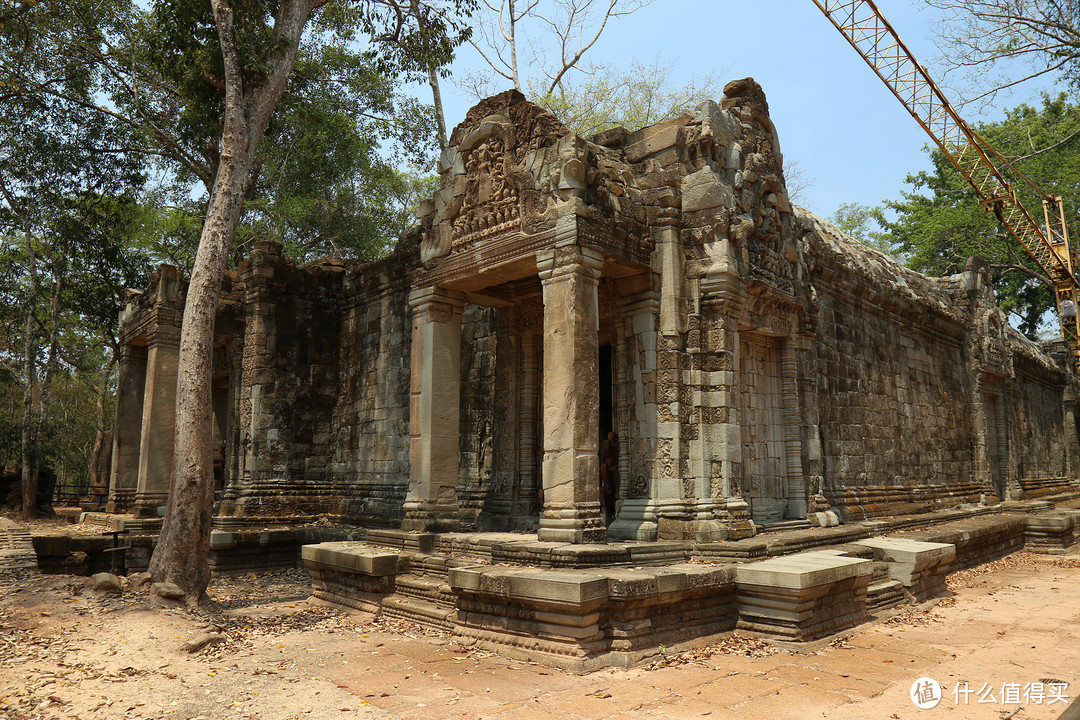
158	423
127	428
637	510
434	450
571	470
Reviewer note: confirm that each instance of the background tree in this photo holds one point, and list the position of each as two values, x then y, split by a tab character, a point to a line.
864	223
58	169
418	36
571	27
939	224
633	97
996	45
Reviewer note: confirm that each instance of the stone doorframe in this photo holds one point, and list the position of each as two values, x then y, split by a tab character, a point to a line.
794	482
569	276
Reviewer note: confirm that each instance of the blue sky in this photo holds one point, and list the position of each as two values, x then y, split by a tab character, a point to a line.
834	117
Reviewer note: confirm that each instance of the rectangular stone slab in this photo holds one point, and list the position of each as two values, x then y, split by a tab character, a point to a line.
351	557
802	571
910	560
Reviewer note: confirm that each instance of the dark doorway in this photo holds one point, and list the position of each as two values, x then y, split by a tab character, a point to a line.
608	465
607	411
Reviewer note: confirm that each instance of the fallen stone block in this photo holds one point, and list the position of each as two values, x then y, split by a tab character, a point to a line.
168	590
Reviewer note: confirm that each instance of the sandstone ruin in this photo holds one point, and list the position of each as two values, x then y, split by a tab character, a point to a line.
755	368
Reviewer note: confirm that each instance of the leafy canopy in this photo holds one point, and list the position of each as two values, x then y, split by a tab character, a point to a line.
939	223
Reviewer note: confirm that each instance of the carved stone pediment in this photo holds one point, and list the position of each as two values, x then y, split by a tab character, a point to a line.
771	259
489	202
488	184
989	349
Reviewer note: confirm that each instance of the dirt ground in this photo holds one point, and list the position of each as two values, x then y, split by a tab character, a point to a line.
1010	631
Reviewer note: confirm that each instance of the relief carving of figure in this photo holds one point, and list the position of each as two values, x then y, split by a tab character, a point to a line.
485	457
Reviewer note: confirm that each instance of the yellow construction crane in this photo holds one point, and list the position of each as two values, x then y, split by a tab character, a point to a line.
874	39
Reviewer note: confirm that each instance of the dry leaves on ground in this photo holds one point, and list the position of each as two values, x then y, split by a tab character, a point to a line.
733	645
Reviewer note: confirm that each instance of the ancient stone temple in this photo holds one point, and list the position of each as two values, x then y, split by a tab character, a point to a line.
629	337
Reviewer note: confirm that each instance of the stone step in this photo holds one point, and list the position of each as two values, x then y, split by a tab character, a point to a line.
16	549
410	603
433	590
919	566
884	595
804	596
784	525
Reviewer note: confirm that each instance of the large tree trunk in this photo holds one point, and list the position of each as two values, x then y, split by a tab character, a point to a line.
29	461
99	468
184	546
436	96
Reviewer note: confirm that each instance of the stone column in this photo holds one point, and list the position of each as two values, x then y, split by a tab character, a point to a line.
127	429
796	483
158	422
434	452
571	472
527	487
637	516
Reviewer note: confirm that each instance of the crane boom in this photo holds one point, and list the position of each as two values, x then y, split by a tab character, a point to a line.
863	25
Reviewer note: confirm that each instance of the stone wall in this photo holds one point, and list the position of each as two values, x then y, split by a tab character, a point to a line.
765	369
894	389
288	386
370	452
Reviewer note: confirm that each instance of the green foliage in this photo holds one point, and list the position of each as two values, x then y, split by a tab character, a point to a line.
113	113
326	175
864	223
633	97
71	185
939	224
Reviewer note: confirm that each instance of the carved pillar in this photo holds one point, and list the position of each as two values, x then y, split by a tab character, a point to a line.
637	509
796	482
571	473
158	421
527	491
434	453
127	429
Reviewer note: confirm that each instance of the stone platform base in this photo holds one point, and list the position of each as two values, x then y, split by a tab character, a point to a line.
976	540
803	597
580	607
576	619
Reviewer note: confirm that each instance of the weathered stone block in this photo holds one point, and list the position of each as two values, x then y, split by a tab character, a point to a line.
919	566
801	597
350	557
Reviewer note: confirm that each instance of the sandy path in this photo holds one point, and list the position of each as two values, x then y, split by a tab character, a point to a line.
66	652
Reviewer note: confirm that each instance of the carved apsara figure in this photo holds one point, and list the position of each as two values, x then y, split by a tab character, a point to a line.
485	457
